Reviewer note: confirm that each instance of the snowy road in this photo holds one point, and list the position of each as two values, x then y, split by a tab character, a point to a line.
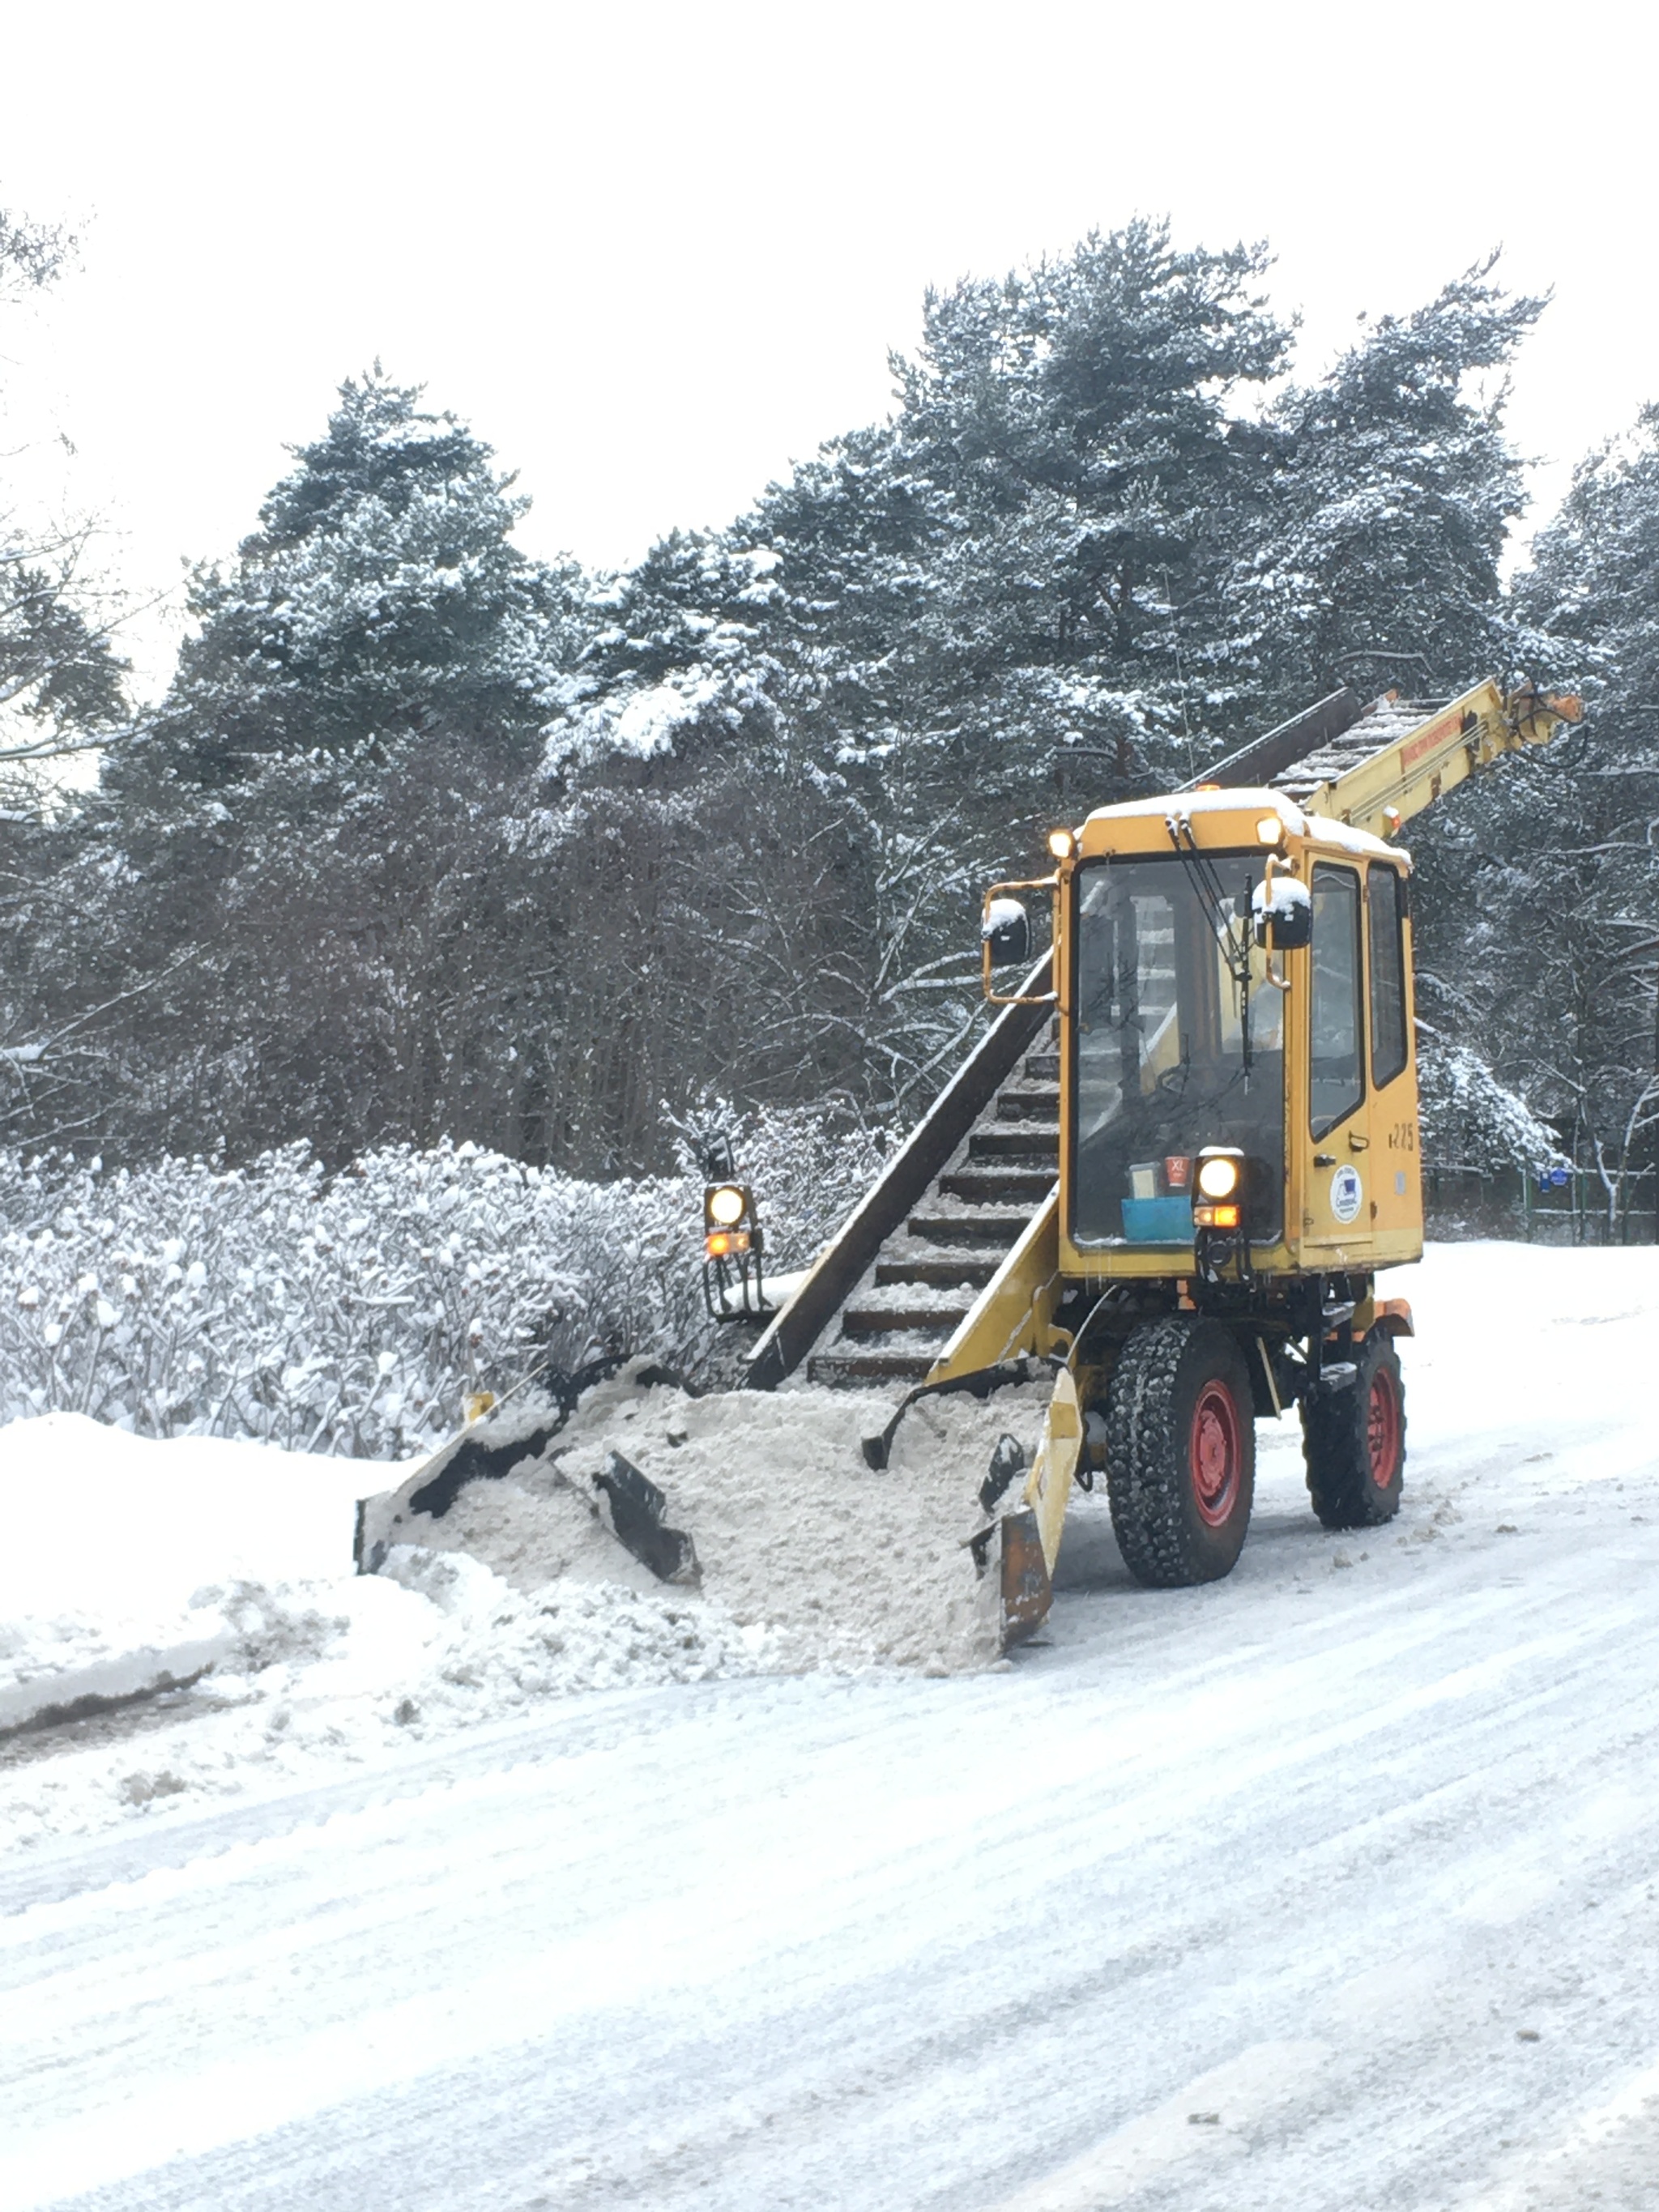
1333	1886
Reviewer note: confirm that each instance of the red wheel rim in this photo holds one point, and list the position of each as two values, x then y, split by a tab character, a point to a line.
1382	1428
1214	1454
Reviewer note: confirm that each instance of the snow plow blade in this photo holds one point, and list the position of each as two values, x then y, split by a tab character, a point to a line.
486	1449
493	1441
1022	1576
637	1507
1020	1546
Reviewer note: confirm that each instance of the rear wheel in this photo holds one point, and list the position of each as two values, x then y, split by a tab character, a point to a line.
1354	1442
1180	1452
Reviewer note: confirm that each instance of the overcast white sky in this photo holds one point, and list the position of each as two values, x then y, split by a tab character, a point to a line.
653	253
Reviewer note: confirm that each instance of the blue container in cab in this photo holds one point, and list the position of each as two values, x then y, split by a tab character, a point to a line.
1159	1220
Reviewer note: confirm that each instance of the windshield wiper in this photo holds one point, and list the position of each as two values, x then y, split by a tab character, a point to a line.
1235	950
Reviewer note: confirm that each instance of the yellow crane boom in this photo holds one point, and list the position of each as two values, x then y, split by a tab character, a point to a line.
1375	767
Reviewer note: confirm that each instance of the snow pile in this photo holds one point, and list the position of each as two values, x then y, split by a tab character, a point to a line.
135	1564
351	1313
129	1564
501	1650
796	1538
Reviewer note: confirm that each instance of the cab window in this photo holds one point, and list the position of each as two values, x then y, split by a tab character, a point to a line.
1384	905
1338	1081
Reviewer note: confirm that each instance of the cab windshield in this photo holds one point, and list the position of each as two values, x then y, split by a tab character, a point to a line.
1179	1042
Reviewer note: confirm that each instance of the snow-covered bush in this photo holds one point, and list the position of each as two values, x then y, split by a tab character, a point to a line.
1470	1119
351	1313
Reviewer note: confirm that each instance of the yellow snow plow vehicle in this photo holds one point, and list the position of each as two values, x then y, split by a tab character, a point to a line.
1176	1162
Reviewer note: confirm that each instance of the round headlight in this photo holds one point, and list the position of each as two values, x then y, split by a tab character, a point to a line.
1062	844
1217	1177
726	1204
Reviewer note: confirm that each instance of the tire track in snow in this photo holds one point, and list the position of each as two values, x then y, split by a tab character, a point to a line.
820	1934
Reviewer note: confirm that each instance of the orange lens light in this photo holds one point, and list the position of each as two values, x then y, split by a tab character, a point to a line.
720	1244
1217	1217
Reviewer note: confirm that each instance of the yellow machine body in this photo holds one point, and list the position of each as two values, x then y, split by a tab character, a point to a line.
1352	1194
1228	1108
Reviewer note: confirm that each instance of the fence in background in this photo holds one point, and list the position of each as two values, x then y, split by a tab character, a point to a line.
1569	1206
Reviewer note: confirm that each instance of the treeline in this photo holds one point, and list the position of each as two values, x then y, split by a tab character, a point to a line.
428	839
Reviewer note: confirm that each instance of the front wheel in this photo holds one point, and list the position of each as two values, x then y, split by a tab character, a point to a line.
1354	1442
1181	1452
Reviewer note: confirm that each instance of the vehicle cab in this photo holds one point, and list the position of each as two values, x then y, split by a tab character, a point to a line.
1237	1078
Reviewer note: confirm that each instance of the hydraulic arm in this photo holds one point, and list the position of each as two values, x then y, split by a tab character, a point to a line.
1395	760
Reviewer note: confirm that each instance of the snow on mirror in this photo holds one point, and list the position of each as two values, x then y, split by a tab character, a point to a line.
1284	904
1006	930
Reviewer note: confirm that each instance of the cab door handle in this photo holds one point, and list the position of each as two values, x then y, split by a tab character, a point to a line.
1359	1144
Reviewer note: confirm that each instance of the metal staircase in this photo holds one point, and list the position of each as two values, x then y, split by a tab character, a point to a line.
903	1308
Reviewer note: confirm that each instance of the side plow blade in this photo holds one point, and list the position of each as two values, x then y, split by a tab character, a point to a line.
1023	1575
1027	1539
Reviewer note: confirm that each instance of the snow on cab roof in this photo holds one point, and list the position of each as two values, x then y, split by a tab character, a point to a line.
1256	799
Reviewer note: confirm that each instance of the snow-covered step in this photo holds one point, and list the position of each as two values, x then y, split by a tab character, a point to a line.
985	1225
1017	1141
1034	1104
938	1315
973	1270
844	1365
1000	1184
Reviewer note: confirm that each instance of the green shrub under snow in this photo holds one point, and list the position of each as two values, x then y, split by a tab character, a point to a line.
350	1313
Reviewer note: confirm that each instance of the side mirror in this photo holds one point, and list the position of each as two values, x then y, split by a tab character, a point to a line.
1283	905
1005	933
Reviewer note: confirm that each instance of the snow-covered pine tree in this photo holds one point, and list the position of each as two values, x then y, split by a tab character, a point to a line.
382	596
1395	489
62	684
300	892
1541	885
919	615
1084	423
